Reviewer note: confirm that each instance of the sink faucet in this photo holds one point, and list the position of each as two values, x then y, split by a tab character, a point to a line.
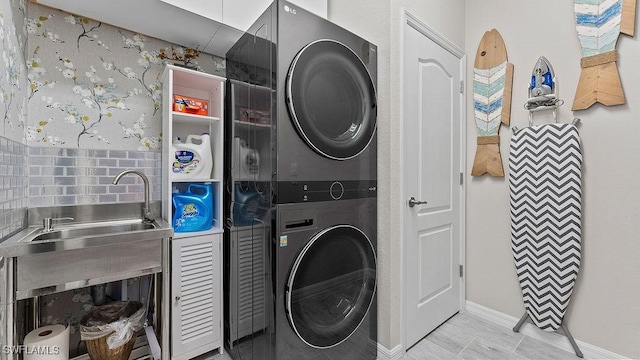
47	223
146	211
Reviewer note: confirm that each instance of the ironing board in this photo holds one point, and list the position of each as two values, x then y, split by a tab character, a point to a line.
545	164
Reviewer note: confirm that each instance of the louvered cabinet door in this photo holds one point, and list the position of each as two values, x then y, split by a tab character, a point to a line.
247	286
195	296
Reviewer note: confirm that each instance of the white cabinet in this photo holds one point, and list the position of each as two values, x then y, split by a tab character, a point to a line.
240	14
183	82
212	26
196	296
211	9
156	18
196	265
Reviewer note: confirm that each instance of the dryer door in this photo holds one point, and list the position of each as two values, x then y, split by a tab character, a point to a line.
331	99
331	286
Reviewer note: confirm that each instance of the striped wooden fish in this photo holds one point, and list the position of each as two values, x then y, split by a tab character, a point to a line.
492	83
599	24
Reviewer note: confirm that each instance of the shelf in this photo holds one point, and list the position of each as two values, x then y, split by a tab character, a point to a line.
252	125
212	231
184	118
196	181
194	79
207	244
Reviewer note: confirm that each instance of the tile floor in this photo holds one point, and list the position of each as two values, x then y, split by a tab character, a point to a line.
468	337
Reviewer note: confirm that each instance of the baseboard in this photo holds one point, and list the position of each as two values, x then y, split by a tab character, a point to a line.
589	351
393	354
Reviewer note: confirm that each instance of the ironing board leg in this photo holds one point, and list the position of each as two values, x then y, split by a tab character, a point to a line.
566	332
522	320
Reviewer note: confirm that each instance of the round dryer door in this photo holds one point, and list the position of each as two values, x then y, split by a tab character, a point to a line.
331	99
331	286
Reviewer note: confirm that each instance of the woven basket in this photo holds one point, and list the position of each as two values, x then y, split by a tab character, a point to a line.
99	350
106	314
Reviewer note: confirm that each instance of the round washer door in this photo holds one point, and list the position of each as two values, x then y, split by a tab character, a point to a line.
331	99
331	286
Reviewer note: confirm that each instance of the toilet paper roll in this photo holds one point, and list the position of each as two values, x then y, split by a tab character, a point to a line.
49	342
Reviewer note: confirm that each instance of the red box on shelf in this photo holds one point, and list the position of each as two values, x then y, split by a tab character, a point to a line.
254	116
190	105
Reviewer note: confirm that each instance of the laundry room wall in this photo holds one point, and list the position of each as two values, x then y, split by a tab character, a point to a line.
608	287
381	23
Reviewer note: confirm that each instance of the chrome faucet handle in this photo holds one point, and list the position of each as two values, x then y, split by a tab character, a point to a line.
146	210
47	223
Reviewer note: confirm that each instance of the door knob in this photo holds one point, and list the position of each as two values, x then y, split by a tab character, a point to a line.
413	202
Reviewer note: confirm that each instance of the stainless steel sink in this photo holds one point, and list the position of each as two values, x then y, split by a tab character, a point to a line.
106	243
92	230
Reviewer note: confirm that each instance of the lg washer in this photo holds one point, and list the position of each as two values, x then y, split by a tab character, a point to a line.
326	99
302	98
326	280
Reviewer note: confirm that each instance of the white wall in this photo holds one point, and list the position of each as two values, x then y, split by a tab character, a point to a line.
605	306
380	22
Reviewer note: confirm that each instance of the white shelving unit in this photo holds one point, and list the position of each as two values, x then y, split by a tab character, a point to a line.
196	270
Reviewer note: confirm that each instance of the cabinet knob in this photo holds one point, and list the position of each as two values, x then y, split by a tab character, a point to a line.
178	298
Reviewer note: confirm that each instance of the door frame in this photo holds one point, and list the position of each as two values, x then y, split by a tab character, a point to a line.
411	20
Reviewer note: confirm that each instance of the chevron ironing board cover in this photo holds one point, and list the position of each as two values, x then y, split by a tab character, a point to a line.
545	179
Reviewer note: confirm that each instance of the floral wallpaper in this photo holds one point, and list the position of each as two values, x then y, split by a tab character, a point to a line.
71	82
92	85
13	73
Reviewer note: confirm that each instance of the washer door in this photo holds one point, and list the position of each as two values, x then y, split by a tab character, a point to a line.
331	286
331	99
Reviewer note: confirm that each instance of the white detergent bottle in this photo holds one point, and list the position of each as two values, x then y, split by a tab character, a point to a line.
192	160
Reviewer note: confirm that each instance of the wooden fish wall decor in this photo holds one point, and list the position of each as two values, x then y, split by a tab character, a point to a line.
599	23
492	85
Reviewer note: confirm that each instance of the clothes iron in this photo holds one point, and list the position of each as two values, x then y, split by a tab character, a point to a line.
543	90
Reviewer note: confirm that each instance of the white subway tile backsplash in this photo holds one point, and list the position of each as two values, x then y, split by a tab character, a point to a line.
68	180
96	190
79	176
108	162
86	162
64	200
90	199
48	176
13	194
129	198
135	188
145	163
52	191
87	180
117	154
75	152
75	190
136	155
117	189
104	180
127	163
64	161
41	181
41	161
97	153
104	199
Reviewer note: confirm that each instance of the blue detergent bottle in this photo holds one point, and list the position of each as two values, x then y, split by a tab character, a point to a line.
193	209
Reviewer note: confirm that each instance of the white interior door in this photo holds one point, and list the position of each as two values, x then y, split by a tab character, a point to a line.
432	123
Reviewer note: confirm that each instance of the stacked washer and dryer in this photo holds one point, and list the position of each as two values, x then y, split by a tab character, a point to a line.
302	191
